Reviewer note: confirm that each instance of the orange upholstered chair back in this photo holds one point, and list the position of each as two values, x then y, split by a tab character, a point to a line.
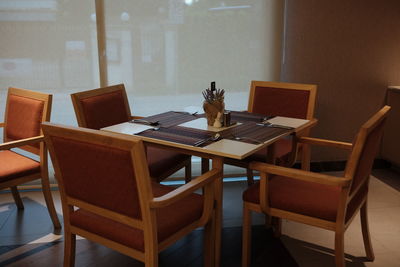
101	107
365	149
25	111
282	99
97	168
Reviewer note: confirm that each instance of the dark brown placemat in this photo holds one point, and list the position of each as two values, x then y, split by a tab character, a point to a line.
252	131
243	116
171	118
177	134
169	131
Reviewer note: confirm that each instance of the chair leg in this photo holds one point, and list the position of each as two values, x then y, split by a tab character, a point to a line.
305	157
69	249
246	237
205	165
188	172
276	224
365	232
250	177
17	198
151	259
209	235
339	249
267	221
49	200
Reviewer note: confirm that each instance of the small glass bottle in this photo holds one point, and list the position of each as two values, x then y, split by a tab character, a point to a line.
226	119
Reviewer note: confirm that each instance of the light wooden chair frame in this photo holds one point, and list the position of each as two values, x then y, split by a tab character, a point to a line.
29	145
76	101
148	203
344	183
303	150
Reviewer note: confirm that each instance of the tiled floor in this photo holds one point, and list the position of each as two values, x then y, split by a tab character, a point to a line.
22	234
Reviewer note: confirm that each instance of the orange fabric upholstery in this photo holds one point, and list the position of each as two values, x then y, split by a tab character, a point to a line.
320	200
282	149
14	165
160	160
108	197
98	175
286	100
169	220
24	116
281	102
369	152
300	197
102	107
104	110
26	110
286	193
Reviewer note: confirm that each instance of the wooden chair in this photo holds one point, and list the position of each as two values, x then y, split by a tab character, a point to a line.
25	111
108	197
107	106
316	199
280	99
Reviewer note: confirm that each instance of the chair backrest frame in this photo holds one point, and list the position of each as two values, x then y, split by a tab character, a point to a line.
147	221
354	190
46	114
359	144
129	144
311	88
79	96
61	138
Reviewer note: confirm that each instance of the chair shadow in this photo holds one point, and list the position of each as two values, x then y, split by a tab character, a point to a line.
34	223
27	225
315	255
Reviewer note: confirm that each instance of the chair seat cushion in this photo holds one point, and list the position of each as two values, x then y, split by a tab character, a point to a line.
13	165
306	198
162	160
169	220
297	196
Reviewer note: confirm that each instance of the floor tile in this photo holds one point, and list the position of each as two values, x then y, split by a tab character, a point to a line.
25	240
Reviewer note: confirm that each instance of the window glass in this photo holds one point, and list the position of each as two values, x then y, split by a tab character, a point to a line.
167	52
48	46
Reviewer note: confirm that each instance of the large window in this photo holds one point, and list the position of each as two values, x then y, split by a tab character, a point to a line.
49	46
166	52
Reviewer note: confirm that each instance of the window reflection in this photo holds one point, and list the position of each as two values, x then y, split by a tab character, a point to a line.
49	46
164	51
173	49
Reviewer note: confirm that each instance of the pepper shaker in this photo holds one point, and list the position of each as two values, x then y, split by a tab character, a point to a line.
227	119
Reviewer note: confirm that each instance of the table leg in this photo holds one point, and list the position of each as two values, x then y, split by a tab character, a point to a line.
205	165
271	154
271	159
305	157
218	163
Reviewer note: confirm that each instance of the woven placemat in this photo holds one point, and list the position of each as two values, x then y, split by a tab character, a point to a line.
171	118
177	134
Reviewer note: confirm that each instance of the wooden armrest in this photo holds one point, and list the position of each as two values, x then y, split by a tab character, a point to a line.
21	142
2	124
306	127
136	117
324	142
301	175
186	189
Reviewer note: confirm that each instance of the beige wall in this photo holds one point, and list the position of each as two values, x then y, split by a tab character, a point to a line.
351	50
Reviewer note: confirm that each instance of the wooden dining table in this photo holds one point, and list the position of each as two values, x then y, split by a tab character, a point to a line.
189	133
